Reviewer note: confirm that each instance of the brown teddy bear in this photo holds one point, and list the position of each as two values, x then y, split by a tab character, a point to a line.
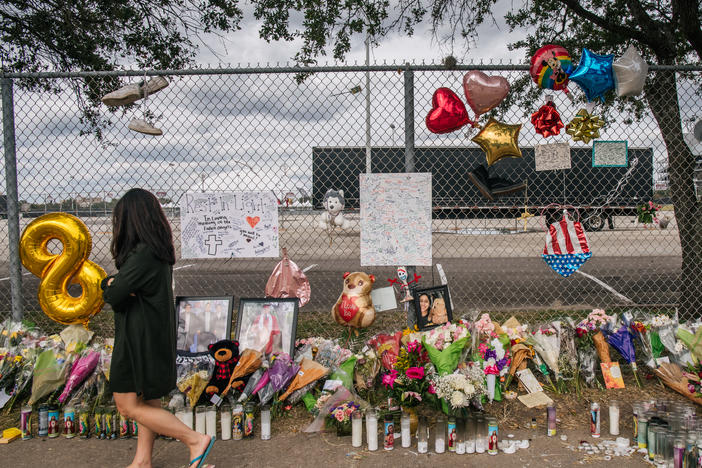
354	308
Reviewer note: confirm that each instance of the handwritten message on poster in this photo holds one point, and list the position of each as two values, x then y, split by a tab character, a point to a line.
395	219
229	225
552	157
609	153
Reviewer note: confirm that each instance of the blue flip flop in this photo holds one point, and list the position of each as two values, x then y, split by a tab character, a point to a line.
204	454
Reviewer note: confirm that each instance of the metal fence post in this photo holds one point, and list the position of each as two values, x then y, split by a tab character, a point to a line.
8	130
409	167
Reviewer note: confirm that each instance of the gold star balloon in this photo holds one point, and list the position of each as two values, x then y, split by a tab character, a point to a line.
499	140
584	126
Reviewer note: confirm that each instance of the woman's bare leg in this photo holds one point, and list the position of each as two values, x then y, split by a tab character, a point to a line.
156	420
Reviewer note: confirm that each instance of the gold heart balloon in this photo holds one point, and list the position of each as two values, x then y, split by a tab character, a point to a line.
499	140
58	271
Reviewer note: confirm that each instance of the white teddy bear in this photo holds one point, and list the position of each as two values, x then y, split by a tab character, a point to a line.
334	204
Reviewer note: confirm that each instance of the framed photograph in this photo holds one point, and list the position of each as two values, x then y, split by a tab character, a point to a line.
432	306
267	325
202	320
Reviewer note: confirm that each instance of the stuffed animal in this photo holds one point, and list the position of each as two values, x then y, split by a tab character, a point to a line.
226	356
334	217
354	308
439	314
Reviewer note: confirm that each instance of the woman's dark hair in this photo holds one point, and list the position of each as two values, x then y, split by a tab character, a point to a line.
138	217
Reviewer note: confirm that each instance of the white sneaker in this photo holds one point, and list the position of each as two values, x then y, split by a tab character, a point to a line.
123	96
155	84
142	126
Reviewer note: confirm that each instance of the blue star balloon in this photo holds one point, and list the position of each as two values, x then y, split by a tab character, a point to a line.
594	74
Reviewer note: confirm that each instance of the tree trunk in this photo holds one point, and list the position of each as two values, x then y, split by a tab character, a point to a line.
662	97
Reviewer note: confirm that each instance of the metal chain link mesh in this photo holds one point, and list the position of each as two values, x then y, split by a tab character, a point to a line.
264	131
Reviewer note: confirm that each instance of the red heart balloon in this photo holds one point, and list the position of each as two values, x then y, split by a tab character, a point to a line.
447	112
484	92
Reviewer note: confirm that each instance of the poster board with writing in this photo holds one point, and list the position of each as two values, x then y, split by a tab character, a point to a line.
552	157
395	219
610	153
229	225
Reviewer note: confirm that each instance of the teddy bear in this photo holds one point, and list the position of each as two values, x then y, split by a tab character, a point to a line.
334	204
226	356
354	308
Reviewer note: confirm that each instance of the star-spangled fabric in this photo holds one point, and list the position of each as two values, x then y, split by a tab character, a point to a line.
566	247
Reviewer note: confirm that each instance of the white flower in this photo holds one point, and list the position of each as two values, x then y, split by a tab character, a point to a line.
469	388
458	399
679	347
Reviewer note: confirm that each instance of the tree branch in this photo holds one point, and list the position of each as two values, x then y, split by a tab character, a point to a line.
688	15
616	28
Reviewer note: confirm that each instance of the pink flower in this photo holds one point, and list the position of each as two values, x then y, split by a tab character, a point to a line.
415	372
691	388
431	389
339	416
414	395
389	379
412	346
491	370
482	348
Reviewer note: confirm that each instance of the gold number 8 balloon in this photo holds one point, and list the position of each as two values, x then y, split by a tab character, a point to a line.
58	271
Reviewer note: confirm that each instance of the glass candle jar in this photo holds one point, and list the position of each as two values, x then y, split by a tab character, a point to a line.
237	422
388	432
440	435
451	434
614	417
642	433
357	429
372	429
265	422
492	436
470	435
26	422
200	419
480	435
225	421
405	429
678	452
422	435
551	420
460	436
69	422
211	421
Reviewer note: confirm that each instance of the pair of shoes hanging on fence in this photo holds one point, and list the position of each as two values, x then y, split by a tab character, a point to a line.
133	92
491	187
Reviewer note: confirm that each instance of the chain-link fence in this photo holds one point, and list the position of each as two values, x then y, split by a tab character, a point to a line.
261	130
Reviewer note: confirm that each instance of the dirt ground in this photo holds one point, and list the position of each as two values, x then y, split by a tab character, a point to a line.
291	447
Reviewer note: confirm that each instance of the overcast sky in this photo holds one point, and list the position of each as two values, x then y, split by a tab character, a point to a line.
255	132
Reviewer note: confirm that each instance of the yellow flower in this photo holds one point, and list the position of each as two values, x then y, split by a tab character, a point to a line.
18	358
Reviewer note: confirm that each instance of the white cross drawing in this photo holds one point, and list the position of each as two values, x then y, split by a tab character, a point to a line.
212	242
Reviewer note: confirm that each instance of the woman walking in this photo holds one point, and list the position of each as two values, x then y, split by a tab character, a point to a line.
143	360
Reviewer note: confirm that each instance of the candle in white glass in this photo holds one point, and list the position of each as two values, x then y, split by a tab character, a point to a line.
200	425
356	429
614	417
372	430
225	421
211	421
266	422
405	428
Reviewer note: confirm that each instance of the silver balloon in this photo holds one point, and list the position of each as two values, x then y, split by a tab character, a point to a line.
630	73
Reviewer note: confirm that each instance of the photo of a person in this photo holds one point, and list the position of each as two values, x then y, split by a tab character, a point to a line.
53	425
424	311
390	437
267	326
492	441
452	438
432	307
69	429
202	321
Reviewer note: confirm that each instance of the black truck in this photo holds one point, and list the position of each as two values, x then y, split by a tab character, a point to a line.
599	193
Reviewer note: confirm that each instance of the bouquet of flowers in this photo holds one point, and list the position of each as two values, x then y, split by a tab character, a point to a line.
546	341
685	383
495	362
622	340
587	356
340	416
519	350
592	325
692	341
460	387
387	347
407	382
666	328
568	357
650	340
646	212
367	368
445	344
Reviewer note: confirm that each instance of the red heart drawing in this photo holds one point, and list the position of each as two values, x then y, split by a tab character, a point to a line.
448	112
253	221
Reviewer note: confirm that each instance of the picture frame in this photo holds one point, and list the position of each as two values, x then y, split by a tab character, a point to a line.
202	320
435	310
259	318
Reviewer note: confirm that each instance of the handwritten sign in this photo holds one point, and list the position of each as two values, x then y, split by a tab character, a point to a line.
229	225
552	157
395	219
609	154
